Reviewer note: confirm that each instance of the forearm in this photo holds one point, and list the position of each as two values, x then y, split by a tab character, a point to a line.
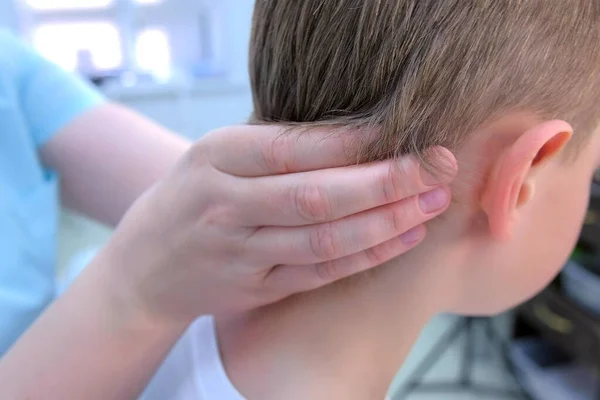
108	157
90	344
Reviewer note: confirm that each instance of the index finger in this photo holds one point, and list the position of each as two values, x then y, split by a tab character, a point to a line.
262	150
314	197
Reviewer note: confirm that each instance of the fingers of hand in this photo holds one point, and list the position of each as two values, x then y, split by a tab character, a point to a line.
290	279
327	195
263	150
340	238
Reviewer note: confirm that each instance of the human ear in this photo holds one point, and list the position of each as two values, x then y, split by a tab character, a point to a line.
510	183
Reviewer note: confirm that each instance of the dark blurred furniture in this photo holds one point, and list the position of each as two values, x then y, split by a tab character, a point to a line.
467	327
559	320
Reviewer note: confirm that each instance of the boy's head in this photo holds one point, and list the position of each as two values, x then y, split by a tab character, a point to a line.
493	80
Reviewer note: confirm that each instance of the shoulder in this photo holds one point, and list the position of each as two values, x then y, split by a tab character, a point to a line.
9	41
12	47
17	57
11	52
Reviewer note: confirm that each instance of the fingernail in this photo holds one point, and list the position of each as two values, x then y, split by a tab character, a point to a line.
434	200
411	236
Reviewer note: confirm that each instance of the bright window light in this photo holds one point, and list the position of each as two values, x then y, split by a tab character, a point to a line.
56	5
153	52
146	2
81	45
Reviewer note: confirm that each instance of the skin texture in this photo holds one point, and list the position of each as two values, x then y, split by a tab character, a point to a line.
242	218
518	204
102	158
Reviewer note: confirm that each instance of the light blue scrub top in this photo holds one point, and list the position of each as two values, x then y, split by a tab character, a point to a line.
37	99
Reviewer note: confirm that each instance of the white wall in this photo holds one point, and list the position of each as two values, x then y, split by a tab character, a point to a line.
198	114
209	105
195	111
237	36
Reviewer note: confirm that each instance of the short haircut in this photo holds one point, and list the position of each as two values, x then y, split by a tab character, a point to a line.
427	72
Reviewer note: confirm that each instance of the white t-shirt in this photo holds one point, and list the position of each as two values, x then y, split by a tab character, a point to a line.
193	369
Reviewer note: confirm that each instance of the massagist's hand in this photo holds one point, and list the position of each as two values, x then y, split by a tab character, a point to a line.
251	215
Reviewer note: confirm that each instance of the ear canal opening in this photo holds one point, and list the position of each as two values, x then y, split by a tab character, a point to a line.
525	194
551	147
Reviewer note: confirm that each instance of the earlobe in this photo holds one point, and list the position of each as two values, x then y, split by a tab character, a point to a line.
509	184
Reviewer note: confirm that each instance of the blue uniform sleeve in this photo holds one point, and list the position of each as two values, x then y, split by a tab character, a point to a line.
50	97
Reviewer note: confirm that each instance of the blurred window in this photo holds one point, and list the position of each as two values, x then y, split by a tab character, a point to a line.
153	52
84	46
101	38
55	5
143	2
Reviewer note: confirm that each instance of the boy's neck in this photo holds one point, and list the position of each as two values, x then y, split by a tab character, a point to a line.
341	342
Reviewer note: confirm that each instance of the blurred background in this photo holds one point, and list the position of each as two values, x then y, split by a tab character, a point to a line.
166	58
183	63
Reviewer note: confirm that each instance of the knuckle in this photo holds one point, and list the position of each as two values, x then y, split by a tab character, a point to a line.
391	185
412	174
328	271
403	175
324	243
214	135
312	203
220	215
395	217
276	156
198	155
408	167
375	255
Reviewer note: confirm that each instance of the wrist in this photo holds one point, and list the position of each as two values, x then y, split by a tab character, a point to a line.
124	307
93	340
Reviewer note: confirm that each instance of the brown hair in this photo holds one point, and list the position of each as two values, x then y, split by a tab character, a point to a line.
427	72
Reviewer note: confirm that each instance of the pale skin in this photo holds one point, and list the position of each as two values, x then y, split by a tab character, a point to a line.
238	220
519	206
